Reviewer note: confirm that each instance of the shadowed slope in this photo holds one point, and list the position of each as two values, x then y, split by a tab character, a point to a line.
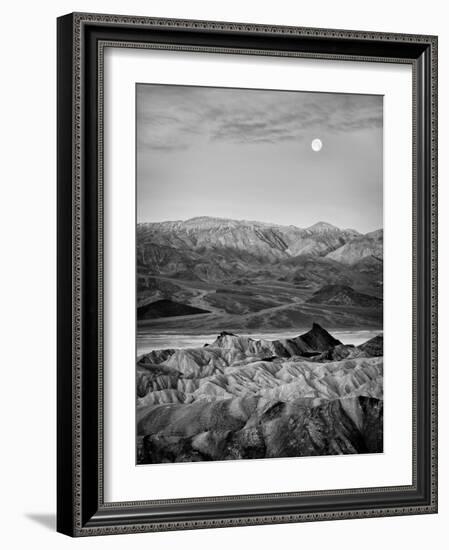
166	308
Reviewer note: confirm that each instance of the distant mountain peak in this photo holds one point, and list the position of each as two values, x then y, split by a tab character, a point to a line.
209	219
322	227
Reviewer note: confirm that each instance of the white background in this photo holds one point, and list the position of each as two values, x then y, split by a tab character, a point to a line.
27	230
125	482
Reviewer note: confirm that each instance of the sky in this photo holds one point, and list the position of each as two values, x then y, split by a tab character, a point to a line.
247	154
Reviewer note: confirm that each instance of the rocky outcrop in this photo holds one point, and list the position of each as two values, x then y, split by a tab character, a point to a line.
244	344
278	429
241	397
319	339
280	379
340	352
308	344
374	347
155	357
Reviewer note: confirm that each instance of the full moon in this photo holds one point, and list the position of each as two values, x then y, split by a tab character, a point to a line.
317	144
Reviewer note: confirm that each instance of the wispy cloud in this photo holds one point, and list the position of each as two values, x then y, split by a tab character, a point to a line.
176	117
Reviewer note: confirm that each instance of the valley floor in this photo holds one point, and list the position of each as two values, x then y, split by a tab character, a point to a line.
261	304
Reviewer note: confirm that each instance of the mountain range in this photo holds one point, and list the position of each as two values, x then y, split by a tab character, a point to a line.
257	239
258	274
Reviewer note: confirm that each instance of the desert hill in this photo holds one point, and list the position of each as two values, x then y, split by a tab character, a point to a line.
343	295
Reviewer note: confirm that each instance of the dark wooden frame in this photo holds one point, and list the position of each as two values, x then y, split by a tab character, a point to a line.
81	509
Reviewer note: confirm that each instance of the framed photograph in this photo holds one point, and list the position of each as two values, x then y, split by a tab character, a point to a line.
247	281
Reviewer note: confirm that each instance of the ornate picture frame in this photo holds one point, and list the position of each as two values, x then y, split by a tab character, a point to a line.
81	507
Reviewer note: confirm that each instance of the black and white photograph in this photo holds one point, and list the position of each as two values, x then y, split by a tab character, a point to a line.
259	273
